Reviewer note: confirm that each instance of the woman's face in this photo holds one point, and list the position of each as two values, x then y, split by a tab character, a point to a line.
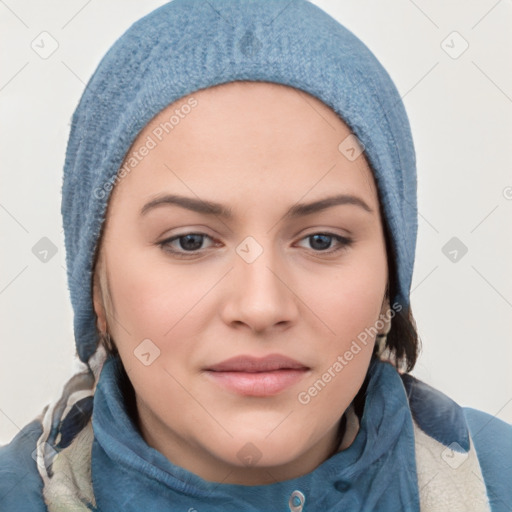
285	256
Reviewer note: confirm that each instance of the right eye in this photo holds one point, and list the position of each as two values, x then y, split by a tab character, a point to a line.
184	245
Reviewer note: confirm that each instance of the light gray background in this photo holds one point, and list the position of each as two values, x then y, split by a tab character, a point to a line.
461	115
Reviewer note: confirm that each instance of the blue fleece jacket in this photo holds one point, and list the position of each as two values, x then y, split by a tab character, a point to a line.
377	472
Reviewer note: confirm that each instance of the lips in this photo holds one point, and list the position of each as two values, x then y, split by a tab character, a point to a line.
251	364
259	377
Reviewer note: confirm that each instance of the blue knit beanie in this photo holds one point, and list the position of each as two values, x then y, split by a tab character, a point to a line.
187	45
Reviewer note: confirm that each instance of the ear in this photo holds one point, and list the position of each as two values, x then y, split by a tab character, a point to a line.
385	314
97	298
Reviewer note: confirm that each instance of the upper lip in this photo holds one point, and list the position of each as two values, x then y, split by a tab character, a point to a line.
268	363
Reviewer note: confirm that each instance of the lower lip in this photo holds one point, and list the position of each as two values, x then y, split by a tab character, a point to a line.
258	383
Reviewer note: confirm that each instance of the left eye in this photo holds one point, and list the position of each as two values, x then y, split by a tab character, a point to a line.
191	243
321	242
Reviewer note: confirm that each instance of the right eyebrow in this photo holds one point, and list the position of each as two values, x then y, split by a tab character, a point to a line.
196	205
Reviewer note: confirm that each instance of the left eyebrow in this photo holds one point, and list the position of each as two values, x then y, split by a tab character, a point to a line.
302	209
212	208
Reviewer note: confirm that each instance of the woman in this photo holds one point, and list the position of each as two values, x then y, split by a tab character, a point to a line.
239	205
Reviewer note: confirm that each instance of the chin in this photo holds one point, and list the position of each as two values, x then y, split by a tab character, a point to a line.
263	450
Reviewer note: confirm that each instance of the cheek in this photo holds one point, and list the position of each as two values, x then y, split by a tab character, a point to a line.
348	302
343	357
150	295
321	402
156	302
348	297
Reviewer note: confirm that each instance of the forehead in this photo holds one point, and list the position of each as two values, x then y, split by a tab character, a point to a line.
250	135
249	112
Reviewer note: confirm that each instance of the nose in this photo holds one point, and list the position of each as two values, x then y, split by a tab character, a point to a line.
260	294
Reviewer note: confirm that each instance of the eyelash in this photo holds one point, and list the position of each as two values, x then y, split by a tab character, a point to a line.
344	242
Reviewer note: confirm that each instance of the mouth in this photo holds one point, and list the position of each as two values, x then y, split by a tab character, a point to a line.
250	376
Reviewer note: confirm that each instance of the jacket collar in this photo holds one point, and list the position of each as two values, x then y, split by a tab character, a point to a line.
376	472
